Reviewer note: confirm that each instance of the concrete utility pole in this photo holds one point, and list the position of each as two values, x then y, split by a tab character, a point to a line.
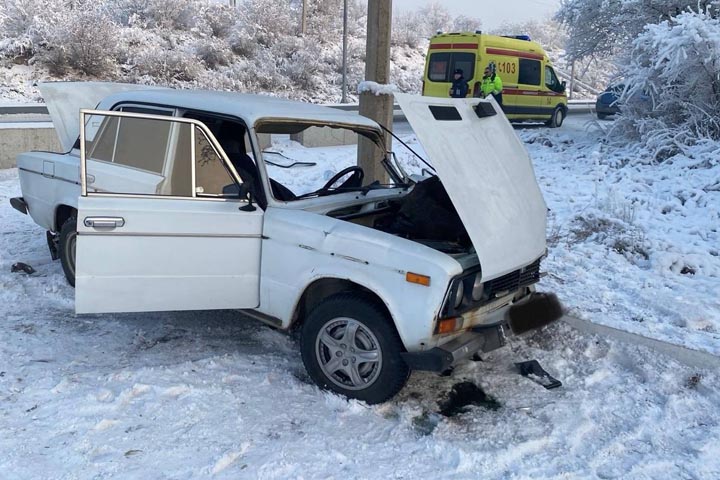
377	69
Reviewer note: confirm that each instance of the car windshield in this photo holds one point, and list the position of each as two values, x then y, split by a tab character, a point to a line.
305	159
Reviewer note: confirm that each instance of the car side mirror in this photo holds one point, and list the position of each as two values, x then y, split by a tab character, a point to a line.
564	86
245	193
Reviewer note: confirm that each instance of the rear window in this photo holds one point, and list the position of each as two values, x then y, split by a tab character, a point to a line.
529	73
443	65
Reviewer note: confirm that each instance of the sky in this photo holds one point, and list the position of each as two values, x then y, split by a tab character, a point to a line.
491	13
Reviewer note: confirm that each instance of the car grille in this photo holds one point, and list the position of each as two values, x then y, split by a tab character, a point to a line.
514	280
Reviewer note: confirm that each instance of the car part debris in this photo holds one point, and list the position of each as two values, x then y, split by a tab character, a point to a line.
22	267
537	374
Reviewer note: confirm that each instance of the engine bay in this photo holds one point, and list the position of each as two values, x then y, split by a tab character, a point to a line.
425	215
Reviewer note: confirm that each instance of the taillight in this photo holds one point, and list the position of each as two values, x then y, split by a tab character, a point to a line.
476	89
423	88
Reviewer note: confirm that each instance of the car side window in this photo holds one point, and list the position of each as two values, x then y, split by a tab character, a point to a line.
211	174
137	154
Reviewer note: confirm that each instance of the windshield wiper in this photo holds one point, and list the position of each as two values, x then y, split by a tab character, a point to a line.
295	162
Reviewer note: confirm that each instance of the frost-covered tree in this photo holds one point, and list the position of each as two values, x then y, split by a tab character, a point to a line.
672	78
437	18
463	23
601	27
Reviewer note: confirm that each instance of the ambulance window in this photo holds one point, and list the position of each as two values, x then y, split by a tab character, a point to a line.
443	64
551	81
439	67
529	72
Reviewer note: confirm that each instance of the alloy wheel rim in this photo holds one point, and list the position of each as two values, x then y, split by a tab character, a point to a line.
348	353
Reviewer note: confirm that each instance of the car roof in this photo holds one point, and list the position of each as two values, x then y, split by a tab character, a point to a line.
248	107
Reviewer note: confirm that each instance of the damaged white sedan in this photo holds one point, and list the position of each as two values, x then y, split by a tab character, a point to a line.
176	200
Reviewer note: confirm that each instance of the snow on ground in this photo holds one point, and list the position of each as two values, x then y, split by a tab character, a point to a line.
217	395
633	245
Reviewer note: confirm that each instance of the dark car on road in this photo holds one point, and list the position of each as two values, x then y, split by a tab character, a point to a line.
607	102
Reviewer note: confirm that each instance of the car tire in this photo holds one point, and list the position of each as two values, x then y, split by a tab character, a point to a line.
343	330
557	118
602	116
67	243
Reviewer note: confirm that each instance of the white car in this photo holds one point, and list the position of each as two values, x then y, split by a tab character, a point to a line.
186	200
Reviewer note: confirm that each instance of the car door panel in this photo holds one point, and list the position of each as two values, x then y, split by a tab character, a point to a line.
187	248
170	254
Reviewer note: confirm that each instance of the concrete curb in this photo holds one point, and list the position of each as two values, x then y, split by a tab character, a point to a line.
686	356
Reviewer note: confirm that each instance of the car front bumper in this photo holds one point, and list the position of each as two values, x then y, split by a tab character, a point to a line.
533	312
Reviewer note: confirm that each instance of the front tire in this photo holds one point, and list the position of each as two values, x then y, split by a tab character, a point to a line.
557	119
67	244
349	346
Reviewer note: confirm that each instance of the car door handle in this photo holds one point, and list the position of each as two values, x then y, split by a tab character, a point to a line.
104	222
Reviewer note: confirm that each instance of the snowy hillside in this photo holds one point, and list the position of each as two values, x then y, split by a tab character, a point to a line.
195	44
256	48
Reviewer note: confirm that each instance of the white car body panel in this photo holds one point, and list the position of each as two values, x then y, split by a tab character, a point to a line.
49	180
301	247
171	254
489	177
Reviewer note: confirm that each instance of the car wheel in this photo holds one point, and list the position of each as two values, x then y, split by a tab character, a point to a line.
558	116
68	240
602	116
350	346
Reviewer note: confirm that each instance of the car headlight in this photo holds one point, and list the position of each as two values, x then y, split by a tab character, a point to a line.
478	288
459	293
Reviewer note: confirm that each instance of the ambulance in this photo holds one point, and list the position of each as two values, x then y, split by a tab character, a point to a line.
531	88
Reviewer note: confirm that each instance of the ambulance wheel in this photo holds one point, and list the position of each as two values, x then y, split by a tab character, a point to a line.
557	118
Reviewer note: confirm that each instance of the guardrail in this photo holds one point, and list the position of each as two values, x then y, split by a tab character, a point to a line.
24	109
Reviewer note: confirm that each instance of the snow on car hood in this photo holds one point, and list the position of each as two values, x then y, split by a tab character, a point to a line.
488	175
65	99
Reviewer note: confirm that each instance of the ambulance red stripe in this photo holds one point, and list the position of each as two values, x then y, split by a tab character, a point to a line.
454	46
513	53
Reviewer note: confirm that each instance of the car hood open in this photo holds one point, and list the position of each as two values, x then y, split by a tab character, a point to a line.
65	99
488	175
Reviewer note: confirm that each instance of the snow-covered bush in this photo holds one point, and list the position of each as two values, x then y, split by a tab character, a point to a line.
24	24
83	38
408	29
242	42
306	68
220	19
268	20
166	66
618	234
213	52
171	14
672	78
